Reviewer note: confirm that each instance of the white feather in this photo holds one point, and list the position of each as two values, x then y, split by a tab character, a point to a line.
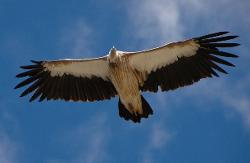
78	68
151	60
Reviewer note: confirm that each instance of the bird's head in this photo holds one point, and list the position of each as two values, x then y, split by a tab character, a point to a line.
113	55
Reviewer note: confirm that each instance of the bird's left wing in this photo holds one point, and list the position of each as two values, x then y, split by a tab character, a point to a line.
181	63
77	80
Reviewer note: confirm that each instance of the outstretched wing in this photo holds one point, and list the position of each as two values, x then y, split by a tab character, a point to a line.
77	80
182	63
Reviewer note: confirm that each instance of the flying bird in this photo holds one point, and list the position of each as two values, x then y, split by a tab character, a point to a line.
128	74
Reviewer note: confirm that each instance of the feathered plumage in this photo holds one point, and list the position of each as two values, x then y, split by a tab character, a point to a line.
126	74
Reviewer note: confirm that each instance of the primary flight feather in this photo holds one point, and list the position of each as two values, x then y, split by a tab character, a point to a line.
128	74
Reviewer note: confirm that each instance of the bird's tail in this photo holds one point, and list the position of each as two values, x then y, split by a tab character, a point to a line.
124	113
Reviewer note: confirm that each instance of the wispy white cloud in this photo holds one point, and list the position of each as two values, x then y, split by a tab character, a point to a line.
77	39
97	135
155	21
233	96
8	148
89	141
158	139
160	21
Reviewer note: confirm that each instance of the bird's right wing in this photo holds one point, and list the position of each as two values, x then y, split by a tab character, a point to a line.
77	80
181	63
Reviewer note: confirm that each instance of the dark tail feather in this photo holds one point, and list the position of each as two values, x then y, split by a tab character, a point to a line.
147	110
124	113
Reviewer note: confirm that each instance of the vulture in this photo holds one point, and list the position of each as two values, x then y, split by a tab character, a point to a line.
128	74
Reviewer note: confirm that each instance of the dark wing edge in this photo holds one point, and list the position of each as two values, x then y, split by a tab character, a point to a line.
187	70
66	87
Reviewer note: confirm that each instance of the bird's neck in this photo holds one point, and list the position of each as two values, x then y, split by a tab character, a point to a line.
113	57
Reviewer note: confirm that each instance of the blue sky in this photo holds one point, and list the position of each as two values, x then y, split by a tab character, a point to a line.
206	122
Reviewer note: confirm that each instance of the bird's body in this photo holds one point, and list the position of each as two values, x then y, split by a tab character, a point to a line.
126	83
128	74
